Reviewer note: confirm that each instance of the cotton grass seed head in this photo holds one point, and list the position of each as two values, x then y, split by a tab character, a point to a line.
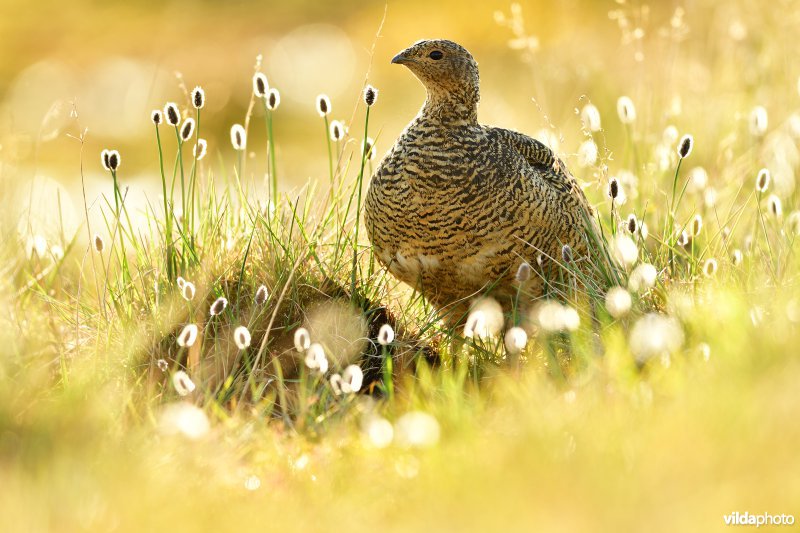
336	131
99	244
643	277
368	148
315	358
110	159
184	419
200	149
188	291
260	85
710	267
618	302
188	336
566	254
218	306
238	137
613	188
759	121
323	105
625	250
554	316
157	117
385	335
626	110
302	340
183	383
587	153
655	335
370	95
696	225
172	114
515	340
590	117
273	99
476	325
737	257
417	429
187	129
162	365
198	97
241	336
698	179
261	295
352	379
685	146
793	223
632	224
523	272
775	206
762	180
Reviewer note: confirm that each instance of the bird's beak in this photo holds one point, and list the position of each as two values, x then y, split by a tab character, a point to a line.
400	59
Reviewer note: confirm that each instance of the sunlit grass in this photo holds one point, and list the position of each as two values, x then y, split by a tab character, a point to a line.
235	356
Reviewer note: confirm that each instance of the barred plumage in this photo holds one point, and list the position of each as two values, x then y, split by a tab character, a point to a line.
455	206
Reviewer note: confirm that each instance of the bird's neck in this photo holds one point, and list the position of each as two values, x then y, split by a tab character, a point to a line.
451	109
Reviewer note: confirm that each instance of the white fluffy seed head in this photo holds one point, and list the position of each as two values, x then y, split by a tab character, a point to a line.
385	335
793	223
590	117
625	250
241	336
273	99
762	180
515	340
157	117
218	306
315	358
370	95
368	148
476	325
198	97
696	225
587	153
643	277
614	188
618	301
775	206
188	291
710	267
685	146
336	131
737	257
632	224
238	137
187	130
188	336
200	149
172	114
260	85
698	179
759	121
626	110
261	295
352	379
302	340
523	272
183	383
323	105
655	335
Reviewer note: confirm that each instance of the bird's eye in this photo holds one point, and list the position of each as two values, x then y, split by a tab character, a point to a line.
436	55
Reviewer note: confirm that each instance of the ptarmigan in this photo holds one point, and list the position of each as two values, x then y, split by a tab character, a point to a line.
455	207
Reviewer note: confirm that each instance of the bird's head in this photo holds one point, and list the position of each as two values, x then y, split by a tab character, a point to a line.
443	67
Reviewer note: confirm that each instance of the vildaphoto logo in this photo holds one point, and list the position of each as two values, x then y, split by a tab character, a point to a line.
758	520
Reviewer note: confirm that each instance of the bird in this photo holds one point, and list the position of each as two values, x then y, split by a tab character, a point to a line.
455	207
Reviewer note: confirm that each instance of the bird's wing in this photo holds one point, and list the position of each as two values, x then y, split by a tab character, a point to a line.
541	158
